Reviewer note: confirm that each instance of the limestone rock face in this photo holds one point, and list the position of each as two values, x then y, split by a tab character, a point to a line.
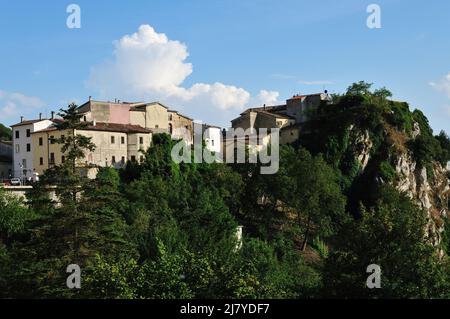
430	192
429	189
361	145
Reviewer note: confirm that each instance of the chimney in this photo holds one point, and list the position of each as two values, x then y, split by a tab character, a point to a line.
90	98
264	107
40	116
21	119
53	115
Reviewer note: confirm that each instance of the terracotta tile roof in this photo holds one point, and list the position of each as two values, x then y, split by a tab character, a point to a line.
115	127
106	127
297	97
277	115
27	122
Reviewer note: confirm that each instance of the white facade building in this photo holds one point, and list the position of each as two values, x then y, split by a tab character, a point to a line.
22	146
212	137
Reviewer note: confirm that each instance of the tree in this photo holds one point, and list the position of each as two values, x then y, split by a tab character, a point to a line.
391	235
82	223
5	133
359	88
312	190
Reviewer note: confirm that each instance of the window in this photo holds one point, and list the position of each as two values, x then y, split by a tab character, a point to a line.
141	159
156	126
113	139
84	118
122	140
123	160
41	161
24	163
212	142
52	139
141	140
17	148
17	134
28	132
63	159
170	117
52	158
113	160
170	128
41	141
133	158
28	147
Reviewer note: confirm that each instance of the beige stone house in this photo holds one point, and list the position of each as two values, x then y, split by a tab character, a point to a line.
289	117
155	116
115	145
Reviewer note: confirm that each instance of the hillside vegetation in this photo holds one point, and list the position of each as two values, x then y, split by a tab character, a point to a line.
364	185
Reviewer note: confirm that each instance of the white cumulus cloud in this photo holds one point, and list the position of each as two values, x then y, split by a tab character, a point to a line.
443	85
13	104
149	66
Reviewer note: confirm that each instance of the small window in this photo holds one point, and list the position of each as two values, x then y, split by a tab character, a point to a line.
141	159
52	139
52	158
170	117
122	140
17	148
28	147
133	159
113	160
141	140
63	159
41	161
113	139
156	126
123	160
28	132
41	141
84	118
24	163
17	134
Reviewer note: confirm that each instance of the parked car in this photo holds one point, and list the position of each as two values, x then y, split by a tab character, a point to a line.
16	182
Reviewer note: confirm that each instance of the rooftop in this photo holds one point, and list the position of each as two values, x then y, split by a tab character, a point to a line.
28	122
106	127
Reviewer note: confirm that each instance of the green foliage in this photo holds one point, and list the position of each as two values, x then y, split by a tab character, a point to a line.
387	172
13	215
321	247
391	235
5	133
159	229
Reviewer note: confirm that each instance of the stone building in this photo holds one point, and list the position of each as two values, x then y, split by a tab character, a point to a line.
115	145
288	117
23	151
154	116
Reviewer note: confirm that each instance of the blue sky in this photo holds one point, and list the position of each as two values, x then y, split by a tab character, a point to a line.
211	59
